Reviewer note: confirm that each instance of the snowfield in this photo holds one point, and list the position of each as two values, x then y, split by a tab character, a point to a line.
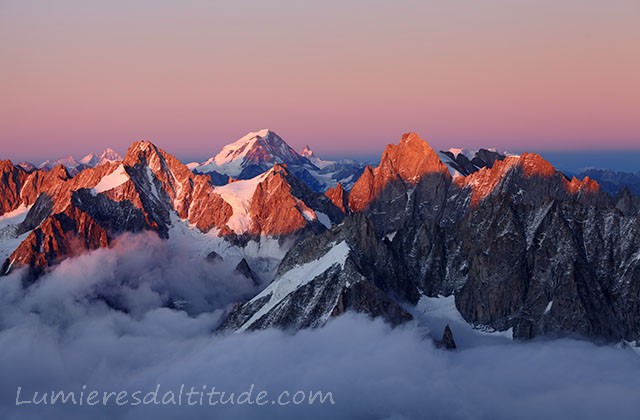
296	278
238	194
116	178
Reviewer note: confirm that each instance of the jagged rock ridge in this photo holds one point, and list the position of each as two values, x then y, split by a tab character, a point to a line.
518	244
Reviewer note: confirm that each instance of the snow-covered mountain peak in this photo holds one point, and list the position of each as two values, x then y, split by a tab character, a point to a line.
138	150
94	159
69	162
140	145
88	159
265	132
461	151
239	148
110	155
307	152
253	154
259	151
74	166
27	166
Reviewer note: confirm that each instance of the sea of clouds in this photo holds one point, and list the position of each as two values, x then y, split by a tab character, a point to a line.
143	314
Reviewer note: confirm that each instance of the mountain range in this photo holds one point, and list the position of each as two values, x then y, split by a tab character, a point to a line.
519	246
74	166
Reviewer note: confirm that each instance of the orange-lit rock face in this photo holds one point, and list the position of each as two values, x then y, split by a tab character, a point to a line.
66	230
207	209
11	180
58	184
191	195
363	191
274	209
40	181
408	162
486	180
338	197
586	186
535	165
60	236
483	182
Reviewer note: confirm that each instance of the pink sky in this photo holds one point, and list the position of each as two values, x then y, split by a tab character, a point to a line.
346	77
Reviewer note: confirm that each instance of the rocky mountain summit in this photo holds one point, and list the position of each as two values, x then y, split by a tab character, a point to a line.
521	247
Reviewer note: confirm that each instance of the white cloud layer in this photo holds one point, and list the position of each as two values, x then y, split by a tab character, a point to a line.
65	332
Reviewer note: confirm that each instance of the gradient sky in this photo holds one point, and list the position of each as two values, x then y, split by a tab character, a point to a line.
345	76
